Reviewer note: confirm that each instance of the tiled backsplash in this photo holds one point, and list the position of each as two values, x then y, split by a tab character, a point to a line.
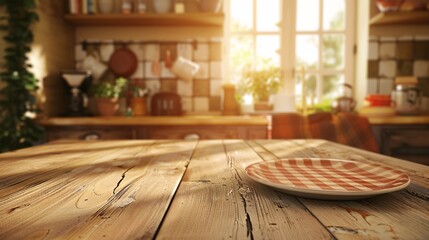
200	95
389	57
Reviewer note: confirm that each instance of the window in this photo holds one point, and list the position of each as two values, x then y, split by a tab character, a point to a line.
316	35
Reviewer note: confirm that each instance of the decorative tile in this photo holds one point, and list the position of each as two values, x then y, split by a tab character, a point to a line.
168	85
421	50
187	104
215	70
165	71
387	69
185	88
152	52
185	50
404	50
386	86
215	87
201	104
106	50
214	104
201	53
215	51
149	71
387	50
373	50
372	87
421	69
139	73
203	72
373	69
201	88
138	50
404	68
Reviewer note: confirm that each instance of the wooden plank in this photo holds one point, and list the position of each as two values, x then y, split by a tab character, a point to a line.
119	194
216	200
398	215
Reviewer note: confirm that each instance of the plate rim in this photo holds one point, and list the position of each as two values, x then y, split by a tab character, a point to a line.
321	192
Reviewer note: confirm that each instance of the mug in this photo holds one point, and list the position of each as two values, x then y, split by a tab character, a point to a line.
96	67
185	69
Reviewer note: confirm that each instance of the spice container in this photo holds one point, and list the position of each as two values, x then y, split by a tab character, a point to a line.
179	6
140	6
126	6
406	96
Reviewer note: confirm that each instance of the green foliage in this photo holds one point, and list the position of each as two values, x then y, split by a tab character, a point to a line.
17	101
110	90
262	82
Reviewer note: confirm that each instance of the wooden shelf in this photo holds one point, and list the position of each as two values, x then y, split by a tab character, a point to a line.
397	18
167	19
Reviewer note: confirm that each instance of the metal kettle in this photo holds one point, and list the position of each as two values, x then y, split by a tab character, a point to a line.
345	102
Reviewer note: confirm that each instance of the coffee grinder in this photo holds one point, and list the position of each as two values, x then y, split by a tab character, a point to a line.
76	80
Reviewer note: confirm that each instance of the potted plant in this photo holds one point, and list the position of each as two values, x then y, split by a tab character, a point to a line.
261	83
137	100
106	95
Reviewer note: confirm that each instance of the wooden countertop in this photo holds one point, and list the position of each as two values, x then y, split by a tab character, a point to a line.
399	120
155	121
167	189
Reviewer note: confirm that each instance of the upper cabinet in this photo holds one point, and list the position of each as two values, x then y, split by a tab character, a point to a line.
400	18
149	19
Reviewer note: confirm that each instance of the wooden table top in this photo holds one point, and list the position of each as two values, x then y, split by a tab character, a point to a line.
176	189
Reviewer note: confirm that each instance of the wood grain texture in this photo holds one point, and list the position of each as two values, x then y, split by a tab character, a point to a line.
84	191
399	215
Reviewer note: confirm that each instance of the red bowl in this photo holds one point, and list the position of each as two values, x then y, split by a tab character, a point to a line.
378	100
388	5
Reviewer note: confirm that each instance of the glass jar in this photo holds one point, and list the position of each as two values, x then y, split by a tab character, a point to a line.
140	6
406	98
126	6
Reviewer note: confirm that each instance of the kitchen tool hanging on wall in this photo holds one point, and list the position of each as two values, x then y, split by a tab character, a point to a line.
123	62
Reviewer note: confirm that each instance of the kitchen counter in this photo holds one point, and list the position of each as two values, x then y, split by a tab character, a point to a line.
202	120
145	189
399	120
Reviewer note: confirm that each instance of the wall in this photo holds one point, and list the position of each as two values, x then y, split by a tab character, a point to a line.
52	52
202	45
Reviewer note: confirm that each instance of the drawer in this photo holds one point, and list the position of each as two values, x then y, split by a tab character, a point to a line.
89	133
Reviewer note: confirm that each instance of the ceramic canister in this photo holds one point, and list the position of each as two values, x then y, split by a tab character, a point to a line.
106	6
162	6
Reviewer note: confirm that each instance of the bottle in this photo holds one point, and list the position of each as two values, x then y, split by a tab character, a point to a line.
140	6
126	6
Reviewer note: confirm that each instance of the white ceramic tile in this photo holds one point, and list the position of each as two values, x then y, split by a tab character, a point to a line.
215	70
106	49
165	71
201	104
139	73
373	50
386	86
184	88
215	87
152	52
138	50
187	104
153	85
421	69
372	87
148	70
202	52
387	68
424	105
185	50
79	53
387	50
203	72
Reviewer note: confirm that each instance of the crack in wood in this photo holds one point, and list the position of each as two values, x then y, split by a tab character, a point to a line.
120	180
243	190
418	191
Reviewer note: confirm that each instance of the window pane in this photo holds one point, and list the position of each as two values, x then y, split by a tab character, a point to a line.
240	54
267	15
241	15
333	14
307	15
307	51
310	89
333	51
267	48
331	86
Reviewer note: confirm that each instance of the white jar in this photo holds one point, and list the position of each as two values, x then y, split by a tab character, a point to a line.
162	6
106	6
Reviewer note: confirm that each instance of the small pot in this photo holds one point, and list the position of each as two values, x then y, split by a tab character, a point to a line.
106	6
388	5
138	106
107	106
210	5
